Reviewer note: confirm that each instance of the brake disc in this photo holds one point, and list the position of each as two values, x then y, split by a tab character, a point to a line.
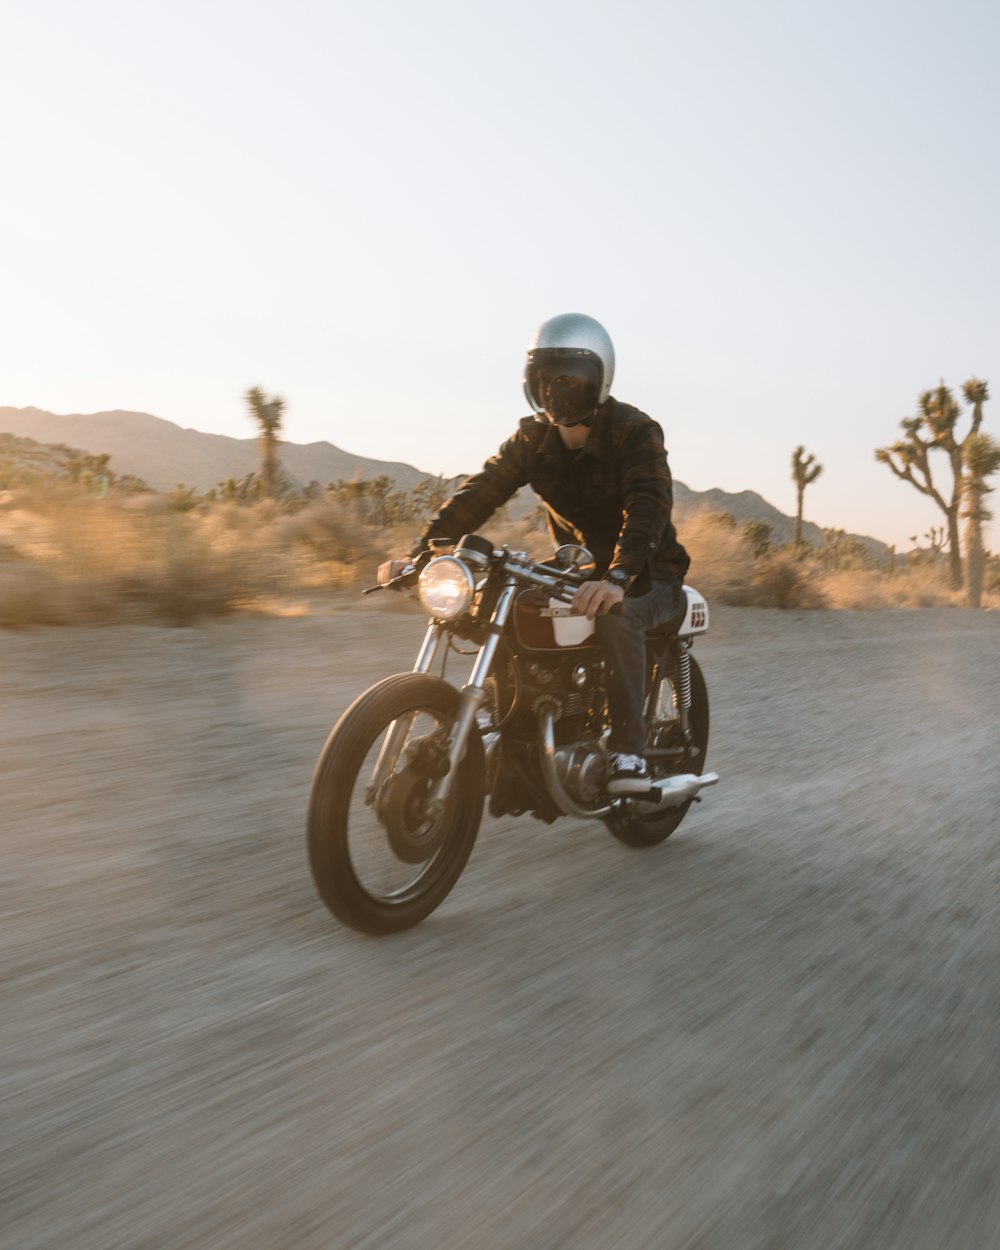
413	835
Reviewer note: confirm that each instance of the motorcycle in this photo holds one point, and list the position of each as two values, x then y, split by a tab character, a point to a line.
399	789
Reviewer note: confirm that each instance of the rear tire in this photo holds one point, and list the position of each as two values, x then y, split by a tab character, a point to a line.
414	861
635	830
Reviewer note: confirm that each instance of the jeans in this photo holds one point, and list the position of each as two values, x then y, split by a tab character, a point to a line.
623	638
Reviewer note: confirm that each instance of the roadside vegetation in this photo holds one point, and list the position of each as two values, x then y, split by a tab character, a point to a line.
69	555
82	544
968	460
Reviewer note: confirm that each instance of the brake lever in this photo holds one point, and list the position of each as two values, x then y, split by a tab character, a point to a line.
403	582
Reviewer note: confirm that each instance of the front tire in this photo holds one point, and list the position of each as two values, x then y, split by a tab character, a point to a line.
628	825
380	862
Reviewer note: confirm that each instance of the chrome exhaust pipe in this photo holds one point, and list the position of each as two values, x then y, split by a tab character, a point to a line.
673	791
668	792
550	774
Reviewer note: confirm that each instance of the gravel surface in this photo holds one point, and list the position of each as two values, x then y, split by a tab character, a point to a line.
779	1029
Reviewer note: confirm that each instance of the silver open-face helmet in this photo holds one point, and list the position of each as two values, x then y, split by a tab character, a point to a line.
570	366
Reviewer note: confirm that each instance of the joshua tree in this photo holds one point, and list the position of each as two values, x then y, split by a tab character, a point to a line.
934	428
805	471
976	393
981	457
267	413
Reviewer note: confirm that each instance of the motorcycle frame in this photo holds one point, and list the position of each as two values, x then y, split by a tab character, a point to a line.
473	694
517	570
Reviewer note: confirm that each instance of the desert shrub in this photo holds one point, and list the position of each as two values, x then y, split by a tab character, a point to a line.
841	551
31	595
786	580
859	590
334	543
183	498
925	586
921	585
77	558
722	558
759	535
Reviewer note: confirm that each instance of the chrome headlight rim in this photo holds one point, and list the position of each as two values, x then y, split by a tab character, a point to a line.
446	588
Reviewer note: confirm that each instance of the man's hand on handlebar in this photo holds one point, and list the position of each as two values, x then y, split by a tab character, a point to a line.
401	573
596	599
391	569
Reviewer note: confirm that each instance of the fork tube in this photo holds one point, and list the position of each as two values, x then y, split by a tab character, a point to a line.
389	752
428	649
395	739
473	694
484	661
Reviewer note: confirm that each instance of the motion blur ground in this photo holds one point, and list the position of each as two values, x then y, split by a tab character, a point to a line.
778	1028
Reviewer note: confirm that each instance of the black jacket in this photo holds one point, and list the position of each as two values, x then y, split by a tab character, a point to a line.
614	495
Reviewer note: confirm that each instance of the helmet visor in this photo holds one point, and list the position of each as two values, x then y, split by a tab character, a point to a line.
563	383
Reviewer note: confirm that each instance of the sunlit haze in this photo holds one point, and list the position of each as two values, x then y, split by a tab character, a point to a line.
784	214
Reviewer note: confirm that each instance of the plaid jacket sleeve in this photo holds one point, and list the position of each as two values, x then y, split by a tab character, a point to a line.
647	497
480	495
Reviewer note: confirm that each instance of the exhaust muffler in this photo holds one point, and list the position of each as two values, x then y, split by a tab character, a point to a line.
673	791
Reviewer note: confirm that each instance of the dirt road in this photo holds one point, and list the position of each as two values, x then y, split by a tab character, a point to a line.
779	1029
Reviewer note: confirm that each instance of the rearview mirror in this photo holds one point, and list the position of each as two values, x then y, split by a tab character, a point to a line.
575	559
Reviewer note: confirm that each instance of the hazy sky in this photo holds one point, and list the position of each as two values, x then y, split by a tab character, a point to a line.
784	213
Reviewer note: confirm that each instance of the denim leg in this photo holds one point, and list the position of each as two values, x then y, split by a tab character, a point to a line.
623	638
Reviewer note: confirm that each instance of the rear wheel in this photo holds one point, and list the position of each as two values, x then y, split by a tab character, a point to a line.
381	861
628	824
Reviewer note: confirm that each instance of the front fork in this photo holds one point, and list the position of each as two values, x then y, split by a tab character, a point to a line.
471	697
395	739
470	700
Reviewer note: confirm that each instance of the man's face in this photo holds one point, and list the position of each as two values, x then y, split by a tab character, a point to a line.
566	385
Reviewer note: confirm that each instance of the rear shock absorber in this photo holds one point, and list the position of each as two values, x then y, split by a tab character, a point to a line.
682	685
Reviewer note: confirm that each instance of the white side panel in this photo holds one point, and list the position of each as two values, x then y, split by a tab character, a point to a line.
569	630
696	617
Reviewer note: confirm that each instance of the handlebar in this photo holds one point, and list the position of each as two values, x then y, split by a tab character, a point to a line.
562	584
555	582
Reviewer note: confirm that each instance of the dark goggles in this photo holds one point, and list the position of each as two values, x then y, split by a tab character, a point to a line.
564	383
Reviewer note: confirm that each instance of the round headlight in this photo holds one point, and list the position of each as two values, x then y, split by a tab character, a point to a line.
446	588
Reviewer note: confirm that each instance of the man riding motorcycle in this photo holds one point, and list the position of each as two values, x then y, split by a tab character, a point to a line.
600	468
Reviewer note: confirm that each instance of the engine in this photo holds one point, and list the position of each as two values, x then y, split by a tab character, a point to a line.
582	769
521	688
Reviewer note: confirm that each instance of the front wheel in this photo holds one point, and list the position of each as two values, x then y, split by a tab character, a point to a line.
380	859
629	825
